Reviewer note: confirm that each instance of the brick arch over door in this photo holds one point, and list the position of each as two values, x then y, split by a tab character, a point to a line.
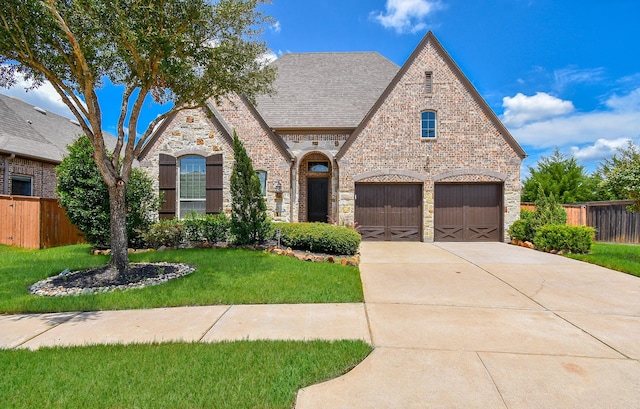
168	183
315	189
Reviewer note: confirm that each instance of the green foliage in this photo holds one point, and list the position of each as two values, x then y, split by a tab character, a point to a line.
178	52
249	223
621	176
319	237
521	230
211	228
230	375
223	276
561	176
559	237
83	192
165	232
548	211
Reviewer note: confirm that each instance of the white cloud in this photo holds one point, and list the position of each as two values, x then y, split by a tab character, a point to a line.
626	103
602	148
573	75
522	109
406	15
578	129
44	97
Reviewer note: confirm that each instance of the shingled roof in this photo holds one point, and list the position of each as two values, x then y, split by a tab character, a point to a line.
325	90
34	133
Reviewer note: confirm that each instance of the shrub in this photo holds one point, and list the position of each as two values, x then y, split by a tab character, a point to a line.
575	239
522	229
166	232
249	222
319	237
211	228
85	196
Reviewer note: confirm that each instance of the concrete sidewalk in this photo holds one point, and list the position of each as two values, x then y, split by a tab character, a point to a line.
188	324
489	325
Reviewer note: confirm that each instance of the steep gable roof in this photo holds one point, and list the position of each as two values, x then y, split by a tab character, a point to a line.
325	90
431	38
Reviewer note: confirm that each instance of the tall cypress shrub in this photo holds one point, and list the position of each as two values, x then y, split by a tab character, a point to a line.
249	222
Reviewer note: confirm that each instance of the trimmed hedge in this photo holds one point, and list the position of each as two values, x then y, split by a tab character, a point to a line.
318	237
211	228
558	237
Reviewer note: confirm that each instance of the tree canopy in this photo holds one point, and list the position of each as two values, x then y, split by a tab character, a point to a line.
180	52
561	176
621	175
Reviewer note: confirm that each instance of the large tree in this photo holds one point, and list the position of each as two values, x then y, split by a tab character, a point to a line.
179	52
561	176
621	175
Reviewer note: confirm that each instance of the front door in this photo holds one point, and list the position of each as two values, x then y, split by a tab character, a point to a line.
317	199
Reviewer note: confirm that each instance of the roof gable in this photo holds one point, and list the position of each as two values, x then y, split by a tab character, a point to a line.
430	39
325	90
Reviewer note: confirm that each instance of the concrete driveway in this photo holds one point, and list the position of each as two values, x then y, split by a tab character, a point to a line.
490	325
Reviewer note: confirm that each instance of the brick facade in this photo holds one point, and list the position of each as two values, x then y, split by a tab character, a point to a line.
42	174
469	146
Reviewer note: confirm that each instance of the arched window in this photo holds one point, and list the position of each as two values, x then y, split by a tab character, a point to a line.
428	124
193	189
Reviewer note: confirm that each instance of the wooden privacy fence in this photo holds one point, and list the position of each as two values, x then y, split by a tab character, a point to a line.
35	223
612	221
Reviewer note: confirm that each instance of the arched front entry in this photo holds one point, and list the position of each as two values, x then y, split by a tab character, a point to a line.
315	177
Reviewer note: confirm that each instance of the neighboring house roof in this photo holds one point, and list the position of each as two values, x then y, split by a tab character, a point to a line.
325	90
34	133
431	38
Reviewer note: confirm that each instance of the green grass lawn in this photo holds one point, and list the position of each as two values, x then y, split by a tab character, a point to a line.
228	375
621	257
223	276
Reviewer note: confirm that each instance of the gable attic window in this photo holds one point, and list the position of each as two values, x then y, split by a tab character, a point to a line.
428	86
428	124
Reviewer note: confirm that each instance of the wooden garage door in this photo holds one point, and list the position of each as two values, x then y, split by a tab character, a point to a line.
468	212
391	212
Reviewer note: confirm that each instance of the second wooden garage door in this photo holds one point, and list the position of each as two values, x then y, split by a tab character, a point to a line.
468	212
391	212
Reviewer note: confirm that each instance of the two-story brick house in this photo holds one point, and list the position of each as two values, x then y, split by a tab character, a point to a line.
406	153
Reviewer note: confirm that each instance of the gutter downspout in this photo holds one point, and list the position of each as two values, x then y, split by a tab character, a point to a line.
5	187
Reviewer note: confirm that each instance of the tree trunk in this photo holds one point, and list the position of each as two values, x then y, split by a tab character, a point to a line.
119	250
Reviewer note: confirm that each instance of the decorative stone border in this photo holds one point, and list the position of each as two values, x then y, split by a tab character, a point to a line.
46	288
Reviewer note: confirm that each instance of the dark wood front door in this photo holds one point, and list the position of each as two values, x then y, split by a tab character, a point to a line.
317	199
391	212
468	212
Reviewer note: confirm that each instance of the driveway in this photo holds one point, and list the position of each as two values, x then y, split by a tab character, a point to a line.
490	325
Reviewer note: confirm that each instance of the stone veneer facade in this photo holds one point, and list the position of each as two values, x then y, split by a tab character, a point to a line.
470	144
468	147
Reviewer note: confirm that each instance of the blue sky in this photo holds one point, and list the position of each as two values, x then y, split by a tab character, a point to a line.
562	74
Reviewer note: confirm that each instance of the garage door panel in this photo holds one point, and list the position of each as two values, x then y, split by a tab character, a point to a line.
389	211
468	212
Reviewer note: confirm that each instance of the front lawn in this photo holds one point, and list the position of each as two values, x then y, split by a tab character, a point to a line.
621	257
223	276
227	375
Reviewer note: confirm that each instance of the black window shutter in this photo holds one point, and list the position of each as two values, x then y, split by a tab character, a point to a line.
167	179
214	184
